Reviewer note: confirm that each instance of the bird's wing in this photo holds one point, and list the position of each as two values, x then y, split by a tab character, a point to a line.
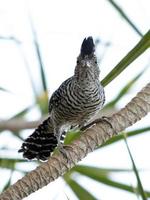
58	94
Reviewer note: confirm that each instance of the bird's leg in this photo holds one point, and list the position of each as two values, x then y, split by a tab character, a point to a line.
75	128
61	147
102	119
85	125
63	150
58	134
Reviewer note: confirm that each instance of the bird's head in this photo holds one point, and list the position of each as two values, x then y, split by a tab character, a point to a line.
87	60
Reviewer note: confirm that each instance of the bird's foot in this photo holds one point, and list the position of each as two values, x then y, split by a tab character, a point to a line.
102	119
63	149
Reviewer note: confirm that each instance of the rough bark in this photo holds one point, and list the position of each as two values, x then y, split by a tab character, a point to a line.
56	166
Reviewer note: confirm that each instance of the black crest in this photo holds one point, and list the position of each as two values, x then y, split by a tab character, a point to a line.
87	46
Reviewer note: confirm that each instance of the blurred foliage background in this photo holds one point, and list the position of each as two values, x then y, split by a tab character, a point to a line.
16	127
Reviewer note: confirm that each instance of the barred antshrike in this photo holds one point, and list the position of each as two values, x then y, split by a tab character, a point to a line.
73	104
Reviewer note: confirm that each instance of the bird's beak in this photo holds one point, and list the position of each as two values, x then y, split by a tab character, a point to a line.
87	64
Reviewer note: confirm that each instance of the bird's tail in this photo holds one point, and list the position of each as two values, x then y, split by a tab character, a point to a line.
40	143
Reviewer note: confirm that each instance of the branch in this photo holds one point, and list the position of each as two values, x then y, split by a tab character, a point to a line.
57	165
19	124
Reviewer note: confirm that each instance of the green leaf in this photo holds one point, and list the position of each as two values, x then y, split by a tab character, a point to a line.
42	102
124	90
8	182
37	48
71	136
10	163
67	197
27	65
41	66
5	90
119	137
143	45
122	13
95	174
18	43
80	192
11	38
99	170
21	113
140	187
17	134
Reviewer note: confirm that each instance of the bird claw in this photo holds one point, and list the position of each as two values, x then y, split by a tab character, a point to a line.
63	150
102	119
108	121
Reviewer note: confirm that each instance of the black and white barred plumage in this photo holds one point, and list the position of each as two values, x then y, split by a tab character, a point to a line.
73	104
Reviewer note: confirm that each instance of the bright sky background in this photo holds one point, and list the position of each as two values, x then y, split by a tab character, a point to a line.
61	27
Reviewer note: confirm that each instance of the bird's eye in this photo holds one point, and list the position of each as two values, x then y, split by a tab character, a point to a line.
95	61
78	61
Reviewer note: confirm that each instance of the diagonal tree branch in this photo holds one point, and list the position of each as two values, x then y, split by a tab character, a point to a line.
57	165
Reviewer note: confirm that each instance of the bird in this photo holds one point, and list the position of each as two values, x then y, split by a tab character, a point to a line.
72	106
